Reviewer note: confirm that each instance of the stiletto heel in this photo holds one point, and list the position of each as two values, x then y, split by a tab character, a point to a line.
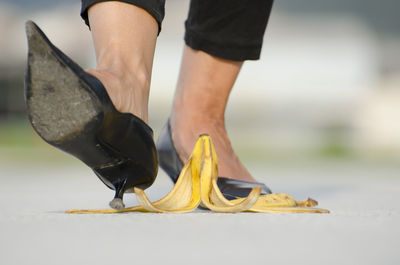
72	111
117	202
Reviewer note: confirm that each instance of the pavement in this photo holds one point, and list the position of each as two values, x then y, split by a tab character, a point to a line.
362	228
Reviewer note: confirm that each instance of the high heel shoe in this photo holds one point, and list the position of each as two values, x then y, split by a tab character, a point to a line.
72	111
170	162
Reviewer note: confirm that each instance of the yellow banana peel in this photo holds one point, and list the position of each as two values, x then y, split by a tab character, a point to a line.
197	185
184	196
211	196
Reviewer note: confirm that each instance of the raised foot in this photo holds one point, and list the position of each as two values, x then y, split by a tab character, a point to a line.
117	204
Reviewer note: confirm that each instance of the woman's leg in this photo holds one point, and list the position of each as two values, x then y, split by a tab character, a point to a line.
204	85
124	37
220	35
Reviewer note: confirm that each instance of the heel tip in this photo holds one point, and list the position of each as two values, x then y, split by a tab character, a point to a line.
117	204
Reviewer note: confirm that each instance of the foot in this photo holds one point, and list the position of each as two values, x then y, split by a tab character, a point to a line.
128	92
185	132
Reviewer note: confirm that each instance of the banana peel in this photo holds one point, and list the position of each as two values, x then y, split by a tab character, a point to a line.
211	197
197	185
184	196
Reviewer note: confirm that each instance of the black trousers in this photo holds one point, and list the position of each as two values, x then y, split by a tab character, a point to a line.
228	29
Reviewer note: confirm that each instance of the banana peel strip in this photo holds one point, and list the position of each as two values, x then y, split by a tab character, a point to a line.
283	203
211	196
197	185
184	197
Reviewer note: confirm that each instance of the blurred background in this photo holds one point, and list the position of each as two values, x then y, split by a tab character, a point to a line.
327	87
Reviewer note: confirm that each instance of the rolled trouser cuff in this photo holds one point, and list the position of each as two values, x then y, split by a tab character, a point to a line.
229	29
153	7
228	51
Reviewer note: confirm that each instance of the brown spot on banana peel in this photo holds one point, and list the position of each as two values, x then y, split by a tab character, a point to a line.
307	203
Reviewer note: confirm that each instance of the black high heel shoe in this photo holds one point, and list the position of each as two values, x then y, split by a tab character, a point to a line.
72	111
171	163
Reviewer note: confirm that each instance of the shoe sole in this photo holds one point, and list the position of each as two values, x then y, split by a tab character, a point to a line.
59	104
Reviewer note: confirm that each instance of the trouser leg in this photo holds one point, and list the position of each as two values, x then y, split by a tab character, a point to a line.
229	29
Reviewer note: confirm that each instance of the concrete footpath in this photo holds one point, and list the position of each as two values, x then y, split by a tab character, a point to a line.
363	227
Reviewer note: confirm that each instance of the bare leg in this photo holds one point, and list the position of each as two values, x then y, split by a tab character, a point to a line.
124	38
203	88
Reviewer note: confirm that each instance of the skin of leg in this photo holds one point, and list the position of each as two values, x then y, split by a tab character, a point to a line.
201	96
124	37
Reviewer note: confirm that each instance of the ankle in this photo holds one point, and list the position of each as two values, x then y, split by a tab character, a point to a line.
126	70
196	122
128	89
136	80
186	129
197	114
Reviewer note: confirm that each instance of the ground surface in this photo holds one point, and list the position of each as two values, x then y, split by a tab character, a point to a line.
363	227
